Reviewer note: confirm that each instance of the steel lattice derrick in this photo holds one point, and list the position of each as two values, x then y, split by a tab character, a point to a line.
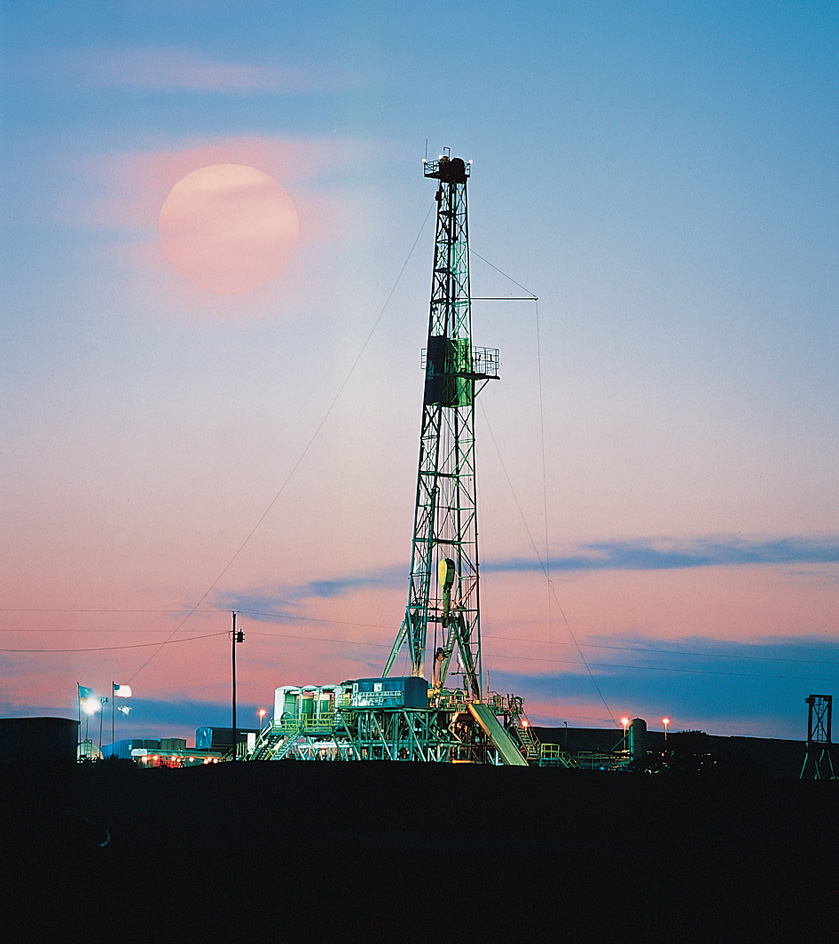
445	539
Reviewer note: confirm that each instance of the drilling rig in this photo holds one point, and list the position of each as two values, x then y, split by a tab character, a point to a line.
445	540
406	717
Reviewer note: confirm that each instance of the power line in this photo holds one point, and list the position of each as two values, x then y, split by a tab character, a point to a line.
489	637
72	609
306	448
307	638
139	645
530	295
280	618
543	565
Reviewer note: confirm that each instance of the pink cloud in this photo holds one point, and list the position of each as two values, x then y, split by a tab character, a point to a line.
750	602
172	69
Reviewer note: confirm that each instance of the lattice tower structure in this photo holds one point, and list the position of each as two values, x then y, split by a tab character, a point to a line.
443	592
818	763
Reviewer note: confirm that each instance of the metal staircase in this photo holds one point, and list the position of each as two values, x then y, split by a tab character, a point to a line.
275	743
527	738
530	746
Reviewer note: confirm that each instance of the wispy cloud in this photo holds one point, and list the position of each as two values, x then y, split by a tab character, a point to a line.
639	555
179	69
671	554
698	682
289	602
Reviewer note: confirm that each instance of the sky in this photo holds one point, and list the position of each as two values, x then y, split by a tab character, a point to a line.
201	419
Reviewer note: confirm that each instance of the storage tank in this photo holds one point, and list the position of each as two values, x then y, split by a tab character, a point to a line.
39	740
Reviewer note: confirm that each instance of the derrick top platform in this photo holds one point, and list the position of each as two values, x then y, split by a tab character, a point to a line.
451	170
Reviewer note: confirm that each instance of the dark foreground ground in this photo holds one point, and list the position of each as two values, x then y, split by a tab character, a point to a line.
404	852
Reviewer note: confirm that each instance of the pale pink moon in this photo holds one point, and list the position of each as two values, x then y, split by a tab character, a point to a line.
229	228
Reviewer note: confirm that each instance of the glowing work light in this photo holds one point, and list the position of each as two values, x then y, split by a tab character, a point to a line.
91	705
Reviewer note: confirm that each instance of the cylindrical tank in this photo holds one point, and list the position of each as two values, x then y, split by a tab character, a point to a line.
637	739
41	740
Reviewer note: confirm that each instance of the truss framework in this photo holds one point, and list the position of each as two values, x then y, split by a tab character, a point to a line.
445	538
445	732
818	763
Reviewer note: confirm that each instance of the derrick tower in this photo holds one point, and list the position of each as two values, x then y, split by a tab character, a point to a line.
443	595
403	718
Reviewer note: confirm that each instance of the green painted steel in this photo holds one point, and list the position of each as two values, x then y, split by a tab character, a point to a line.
368	719
510	754
445	518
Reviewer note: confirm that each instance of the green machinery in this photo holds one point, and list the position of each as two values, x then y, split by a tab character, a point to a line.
405	717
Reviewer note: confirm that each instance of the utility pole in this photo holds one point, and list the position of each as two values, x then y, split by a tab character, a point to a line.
443	589
237	637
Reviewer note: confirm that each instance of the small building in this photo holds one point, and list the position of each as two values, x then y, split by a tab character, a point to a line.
159	752
126	749
219	740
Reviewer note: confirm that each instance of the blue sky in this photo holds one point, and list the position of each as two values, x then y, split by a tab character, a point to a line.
664	441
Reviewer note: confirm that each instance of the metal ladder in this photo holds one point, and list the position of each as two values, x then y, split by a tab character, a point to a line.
529	741
275	745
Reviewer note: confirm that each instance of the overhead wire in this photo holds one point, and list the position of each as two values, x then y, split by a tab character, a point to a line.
137	645
670	669
545	571
543	563
494	637
74	609
548	581
303	453
509	278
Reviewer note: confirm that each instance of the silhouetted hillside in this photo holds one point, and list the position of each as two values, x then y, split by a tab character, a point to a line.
329	852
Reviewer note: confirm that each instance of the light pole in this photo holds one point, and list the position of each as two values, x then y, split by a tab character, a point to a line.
103	701
625	723
90	705
665	722
262	712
